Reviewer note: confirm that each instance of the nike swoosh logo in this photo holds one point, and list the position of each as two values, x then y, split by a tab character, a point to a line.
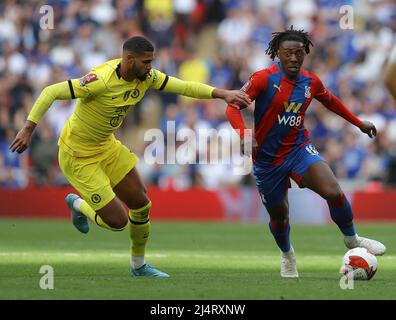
275	86
113	97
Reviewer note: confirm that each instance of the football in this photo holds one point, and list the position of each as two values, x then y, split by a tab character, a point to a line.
359	264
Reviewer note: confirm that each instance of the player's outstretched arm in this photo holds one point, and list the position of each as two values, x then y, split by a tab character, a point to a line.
335	105
235	98
58	91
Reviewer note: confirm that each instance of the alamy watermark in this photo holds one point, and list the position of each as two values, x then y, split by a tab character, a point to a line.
204	146
347	280
47	280
346	21
47	20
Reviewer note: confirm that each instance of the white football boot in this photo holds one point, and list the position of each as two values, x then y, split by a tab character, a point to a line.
288	264
373	246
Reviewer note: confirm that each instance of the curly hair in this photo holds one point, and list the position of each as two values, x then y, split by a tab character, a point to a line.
289	34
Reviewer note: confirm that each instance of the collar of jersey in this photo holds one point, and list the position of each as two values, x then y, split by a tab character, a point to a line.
120	78
118	73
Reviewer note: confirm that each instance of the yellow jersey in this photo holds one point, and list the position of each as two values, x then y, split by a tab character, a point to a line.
103	100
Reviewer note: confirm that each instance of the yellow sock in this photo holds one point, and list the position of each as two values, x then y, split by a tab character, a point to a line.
139	231
90	213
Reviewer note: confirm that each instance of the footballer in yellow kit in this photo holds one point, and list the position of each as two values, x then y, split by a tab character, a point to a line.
98	166
87	141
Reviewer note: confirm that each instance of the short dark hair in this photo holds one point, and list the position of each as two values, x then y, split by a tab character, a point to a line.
288	34
138	45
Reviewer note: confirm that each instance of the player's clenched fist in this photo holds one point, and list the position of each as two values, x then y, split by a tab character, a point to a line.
368	128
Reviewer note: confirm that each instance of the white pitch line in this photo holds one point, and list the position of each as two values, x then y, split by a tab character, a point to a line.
172	255
75	254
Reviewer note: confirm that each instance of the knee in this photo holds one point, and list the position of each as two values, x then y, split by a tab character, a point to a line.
280	219
143	200
280	212
279	223
332	193
118	223
139	200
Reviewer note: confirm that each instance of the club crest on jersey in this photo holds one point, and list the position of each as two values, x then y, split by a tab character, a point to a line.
90	77
95	198
307	92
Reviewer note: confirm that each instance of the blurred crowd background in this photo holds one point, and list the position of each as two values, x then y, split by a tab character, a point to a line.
220	42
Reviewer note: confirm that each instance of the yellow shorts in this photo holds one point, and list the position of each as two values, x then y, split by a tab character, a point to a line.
95	177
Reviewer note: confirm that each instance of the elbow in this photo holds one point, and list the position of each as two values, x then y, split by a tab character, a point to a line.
48	91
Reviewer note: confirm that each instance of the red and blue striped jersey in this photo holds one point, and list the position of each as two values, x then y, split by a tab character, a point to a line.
280	105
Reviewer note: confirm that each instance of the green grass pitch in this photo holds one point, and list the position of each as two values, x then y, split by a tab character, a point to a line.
205	261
